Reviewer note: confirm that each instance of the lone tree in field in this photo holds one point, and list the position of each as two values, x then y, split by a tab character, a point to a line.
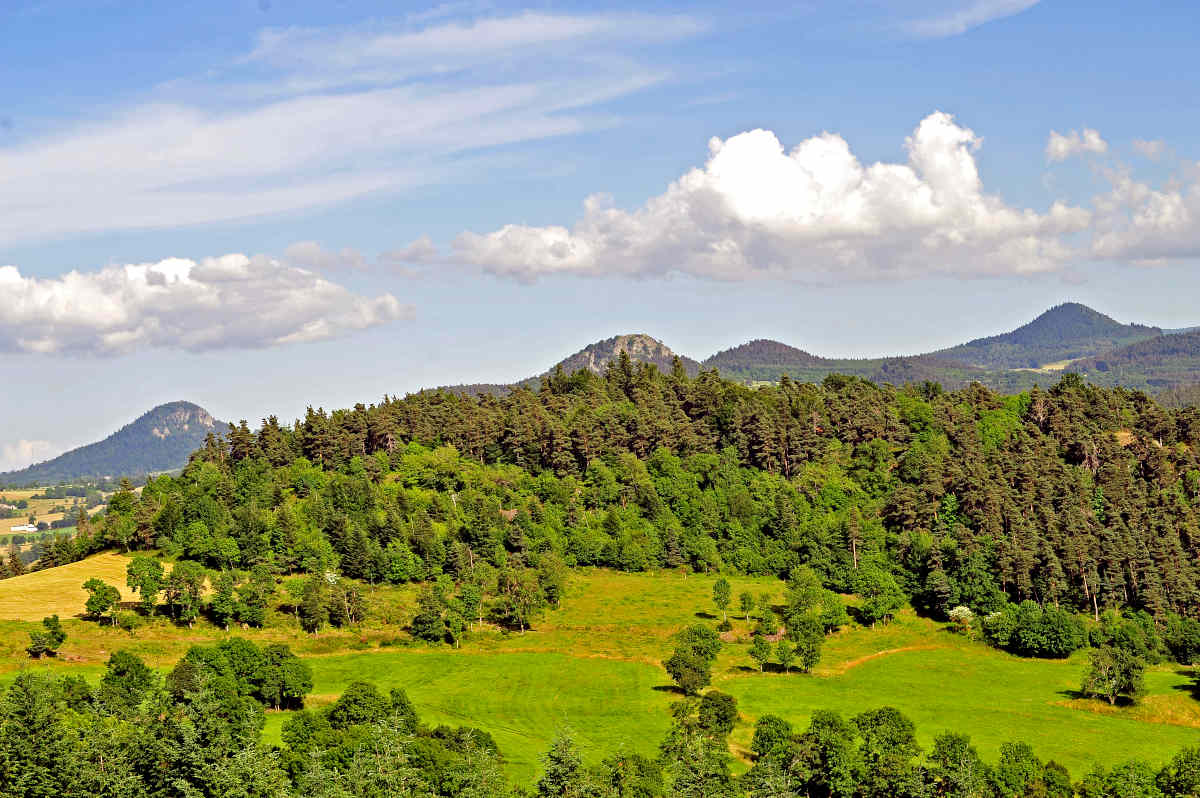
808	634
48	640
144	576
787	655
746	603
102	597
722	592
760	651
185	589
1112	673
690	665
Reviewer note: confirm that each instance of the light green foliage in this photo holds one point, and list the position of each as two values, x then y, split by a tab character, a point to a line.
1113	673
760	651
102	598
721	594
145	577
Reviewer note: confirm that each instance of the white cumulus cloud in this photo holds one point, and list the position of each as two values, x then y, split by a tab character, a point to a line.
813	213
1060	146
22	453
1139	222
233	301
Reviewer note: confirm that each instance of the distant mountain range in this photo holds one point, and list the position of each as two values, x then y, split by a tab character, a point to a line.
1067	337
160	440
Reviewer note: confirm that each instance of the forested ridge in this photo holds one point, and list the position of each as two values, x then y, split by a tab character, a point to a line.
1076	495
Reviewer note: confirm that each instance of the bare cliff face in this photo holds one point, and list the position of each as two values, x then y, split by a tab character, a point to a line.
641	348
178	418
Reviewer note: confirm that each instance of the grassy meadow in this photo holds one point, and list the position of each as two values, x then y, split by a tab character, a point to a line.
592	668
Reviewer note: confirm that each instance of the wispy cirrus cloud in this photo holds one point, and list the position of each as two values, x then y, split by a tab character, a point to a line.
313	117
958	16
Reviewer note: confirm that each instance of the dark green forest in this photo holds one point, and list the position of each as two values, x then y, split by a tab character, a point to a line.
1075	496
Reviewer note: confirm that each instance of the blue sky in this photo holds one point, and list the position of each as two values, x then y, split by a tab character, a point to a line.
262	205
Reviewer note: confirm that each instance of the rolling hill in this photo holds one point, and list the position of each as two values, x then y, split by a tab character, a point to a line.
1168	361
159	440
1070	336
1063	333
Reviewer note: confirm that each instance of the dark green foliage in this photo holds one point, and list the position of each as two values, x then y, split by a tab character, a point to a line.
630	776
760	651
718	713
954	768
563	772
1181	776
125	683
222	605
1065	332
428	624
770	733
881	594
1034	631
138	741
272	675
808	636
47	640
1074	498
359	704
184	591
721	595
690	666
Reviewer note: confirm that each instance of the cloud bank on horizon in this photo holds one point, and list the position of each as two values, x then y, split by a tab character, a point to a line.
229	302
817	213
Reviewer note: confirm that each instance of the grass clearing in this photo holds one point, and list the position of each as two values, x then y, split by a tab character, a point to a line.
33	596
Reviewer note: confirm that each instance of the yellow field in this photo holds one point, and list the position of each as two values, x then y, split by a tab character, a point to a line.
33	596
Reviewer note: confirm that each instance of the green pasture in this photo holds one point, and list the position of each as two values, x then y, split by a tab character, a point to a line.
592	668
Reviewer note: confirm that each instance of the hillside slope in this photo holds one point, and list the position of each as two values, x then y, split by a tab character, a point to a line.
159	440
1168	361
1065	332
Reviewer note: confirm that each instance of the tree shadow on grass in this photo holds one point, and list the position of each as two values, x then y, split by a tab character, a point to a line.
1079	695
705	616
1192	687
669	688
